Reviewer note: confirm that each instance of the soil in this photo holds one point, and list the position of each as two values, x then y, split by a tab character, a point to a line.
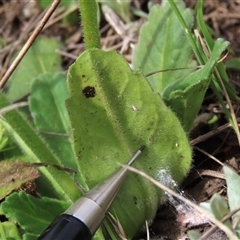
19	18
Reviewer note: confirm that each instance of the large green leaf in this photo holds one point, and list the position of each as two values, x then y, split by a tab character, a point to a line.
163	45
47	105
113	111
40	58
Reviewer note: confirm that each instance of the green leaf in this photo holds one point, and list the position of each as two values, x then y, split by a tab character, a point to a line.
193	235
113	112
30	236
219	208
59	183
207	207
185	96
40	58
163	45
9	231
220	66
46	3
50	116
32	214
120	7
233	181
233	63
53	118
13	174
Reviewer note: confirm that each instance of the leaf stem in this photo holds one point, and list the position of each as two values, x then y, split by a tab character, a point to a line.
89	12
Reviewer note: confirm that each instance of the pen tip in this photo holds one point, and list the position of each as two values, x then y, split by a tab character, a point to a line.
141	148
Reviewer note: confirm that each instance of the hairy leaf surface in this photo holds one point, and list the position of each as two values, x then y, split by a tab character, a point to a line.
113	112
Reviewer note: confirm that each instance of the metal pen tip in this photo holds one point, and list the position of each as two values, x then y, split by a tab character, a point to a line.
135	155
141	148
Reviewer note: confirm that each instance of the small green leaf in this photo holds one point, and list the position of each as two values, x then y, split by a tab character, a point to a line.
113	112
233	63
120	7
32	214
163	45
233	181
9	231
4	139
207	207
193	235
185	96
30	236
40	58
13	174
219	208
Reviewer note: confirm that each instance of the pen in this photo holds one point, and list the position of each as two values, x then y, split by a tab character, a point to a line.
85	216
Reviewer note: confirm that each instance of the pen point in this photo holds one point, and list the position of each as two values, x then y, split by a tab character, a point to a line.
141	148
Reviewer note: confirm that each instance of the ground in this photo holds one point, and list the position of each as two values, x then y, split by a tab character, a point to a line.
19	18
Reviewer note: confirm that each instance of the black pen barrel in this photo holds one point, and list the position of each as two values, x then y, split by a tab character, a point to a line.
66	227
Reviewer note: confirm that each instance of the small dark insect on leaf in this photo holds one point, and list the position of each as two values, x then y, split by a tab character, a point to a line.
89	92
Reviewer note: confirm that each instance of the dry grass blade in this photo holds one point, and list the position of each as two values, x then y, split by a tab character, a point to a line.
219	224
209	155
231	110
147	230
211	133
233	115
117	226
29	42
12	107
214	228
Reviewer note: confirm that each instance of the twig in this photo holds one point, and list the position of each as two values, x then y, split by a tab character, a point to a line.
12	107
147	229
29	42
210	134
209	155
211	173
171	69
